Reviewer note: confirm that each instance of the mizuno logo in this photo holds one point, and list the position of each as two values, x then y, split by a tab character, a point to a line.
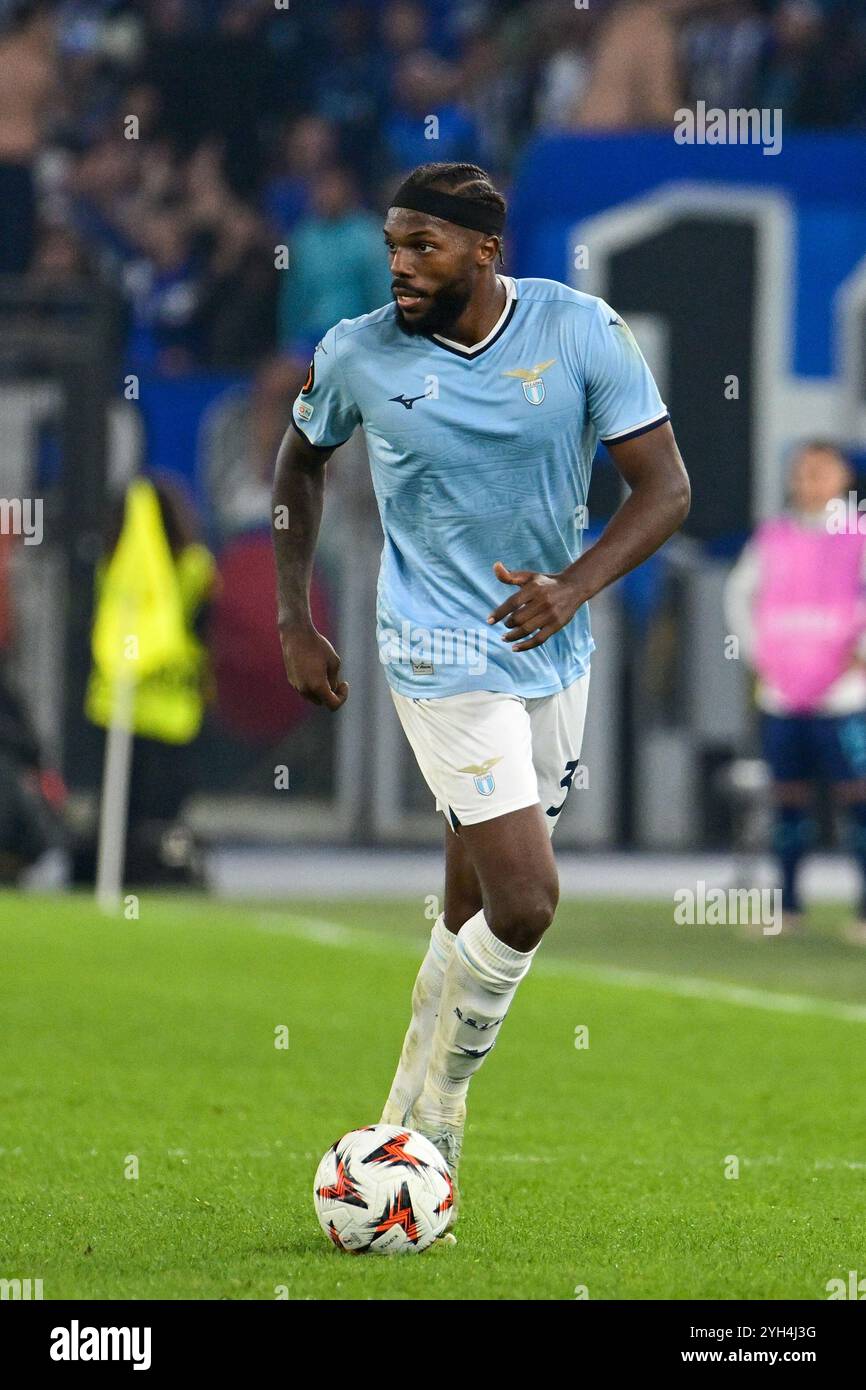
408	401
523	375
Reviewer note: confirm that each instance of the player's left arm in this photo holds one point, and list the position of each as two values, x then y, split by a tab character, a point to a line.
656	506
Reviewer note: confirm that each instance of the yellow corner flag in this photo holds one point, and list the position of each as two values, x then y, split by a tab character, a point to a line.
139	624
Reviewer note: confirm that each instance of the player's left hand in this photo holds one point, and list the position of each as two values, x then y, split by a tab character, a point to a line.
543	604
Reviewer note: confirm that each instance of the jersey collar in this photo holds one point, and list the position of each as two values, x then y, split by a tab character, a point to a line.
461	350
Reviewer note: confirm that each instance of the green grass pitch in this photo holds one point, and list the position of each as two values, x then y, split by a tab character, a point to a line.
600	1167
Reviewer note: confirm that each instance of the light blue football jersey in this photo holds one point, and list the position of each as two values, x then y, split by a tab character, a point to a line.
479	454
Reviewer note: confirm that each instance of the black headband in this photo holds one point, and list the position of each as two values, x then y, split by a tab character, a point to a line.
451	207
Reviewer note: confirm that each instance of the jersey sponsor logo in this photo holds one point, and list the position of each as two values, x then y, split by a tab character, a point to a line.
305	410
482	776
408	401
532	380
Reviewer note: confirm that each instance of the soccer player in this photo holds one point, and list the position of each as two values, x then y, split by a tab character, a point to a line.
796	599
482	399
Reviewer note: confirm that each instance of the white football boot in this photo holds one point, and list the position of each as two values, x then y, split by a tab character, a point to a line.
447	1139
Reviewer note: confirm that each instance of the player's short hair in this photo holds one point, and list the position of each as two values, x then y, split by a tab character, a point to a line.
467	180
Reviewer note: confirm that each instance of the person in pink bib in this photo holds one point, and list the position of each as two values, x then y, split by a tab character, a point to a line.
796	600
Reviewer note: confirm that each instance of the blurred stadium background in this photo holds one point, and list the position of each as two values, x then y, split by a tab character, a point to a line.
191	192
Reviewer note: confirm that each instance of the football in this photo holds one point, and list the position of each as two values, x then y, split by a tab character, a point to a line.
383	1189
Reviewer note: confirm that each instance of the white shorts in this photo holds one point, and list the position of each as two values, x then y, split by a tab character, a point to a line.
485	753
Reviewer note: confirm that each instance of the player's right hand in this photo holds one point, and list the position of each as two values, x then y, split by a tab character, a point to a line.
313	667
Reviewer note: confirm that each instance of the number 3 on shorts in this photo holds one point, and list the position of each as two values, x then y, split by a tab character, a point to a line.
570	768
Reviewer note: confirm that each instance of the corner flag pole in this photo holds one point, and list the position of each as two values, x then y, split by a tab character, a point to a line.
138	630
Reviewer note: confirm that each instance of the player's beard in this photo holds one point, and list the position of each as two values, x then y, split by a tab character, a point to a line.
442	312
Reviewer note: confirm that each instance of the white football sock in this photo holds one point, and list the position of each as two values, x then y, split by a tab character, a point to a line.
409	1077
480	982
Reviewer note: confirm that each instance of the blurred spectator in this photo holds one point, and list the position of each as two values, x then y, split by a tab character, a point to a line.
427	122
496	96
352	91
107	189
165	287
635	79
236	314
722	46
562	65
28	88
307	146
795	602
337	268
403	29
815	68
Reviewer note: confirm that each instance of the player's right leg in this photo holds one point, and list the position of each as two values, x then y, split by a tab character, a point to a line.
462	901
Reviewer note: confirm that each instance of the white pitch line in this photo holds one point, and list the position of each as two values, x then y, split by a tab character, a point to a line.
328	933
714	991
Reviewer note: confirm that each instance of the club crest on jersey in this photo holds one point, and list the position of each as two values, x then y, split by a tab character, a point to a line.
532	380
482	776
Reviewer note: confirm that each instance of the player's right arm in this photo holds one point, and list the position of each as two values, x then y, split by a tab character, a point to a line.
323	417
312	665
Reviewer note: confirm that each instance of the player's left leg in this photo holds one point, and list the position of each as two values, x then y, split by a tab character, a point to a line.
462	901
